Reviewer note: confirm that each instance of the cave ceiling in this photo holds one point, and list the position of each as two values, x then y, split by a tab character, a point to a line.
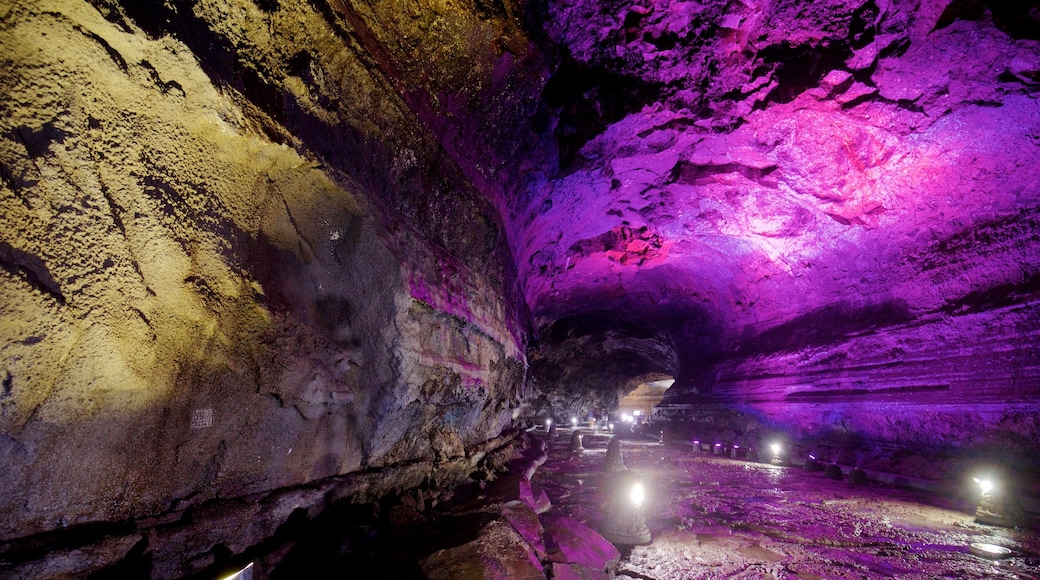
753	176
712	177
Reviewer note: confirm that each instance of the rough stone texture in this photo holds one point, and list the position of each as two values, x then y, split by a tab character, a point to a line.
526	523
248	246
235	260
498	553
569	541
575	572
826	213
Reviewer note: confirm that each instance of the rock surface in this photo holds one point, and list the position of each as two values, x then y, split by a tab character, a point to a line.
498	553
235	262
823	215
249	248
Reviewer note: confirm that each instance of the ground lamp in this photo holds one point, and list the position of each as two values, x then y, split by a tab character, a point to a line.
857	476
574	422
998	506
576	446
776	449
990	551
833	471
812	464
615	462
243	574
625	522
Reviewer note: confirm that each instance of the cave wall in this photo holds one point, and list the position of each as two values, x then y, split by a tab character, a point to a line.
251	245
827	210
237	259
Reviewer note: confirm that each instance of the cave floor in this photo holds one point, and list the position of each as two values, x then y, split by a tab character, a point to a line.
715	517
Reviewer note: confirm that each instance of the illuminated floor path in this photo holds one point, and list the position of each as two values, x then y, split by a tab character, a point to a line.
722	518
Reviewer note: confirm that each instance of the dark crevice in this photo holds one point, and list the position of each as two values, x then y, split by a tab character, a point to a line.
112	53
696	174
828	325
37	142
999	296
70	538
844	394
267	5
32	269
588	100
802	67
896	49
1019	19
863	29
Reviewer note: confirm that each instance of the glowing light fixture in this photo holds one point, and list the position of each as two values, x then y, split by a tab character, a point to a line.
574	421
548	423
985	485
243	574
625	522
637	495
775	448
991	551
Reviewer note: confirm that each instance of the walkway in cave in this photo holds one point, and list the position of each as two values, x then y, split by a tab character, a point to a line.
715	517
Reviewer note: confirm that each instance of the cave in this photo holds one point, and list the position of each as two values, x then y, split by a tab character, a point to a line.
312	287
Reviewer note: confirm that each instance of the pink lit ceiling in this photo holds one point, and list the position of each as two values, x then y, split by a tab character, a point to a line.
726	167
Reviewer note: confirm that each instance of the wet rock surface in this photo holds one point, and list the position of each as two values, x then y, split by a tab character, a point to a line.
714	517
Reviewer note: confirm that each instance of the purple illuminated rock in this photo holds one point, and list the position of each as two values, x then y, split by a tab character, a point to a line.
537	501
830	203
569	541
526	523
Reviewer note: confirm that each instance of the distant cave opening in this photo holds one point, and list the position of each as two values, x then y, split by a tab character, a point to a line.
585	364
640	401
